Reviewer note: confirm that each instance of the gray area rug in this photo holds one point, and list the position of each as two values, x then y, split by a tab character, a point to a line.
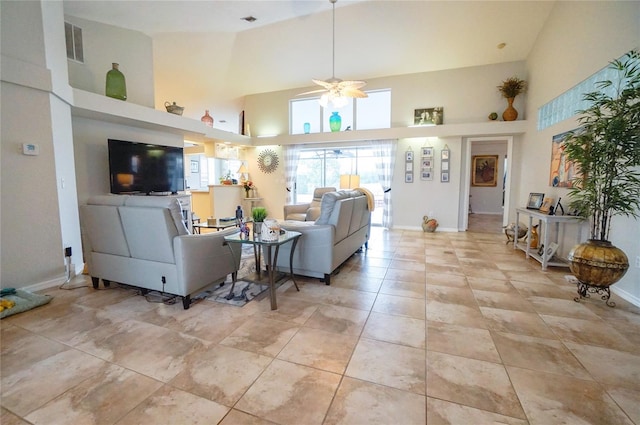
244	291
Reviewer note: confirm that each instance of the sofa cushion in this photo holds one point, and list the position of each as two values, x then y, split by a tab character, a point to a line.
359	208
161	202
328	203
101	225
149	232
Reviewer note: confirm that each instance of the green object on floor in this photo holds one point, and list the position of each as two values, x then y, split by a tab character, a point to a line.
24	301
7	291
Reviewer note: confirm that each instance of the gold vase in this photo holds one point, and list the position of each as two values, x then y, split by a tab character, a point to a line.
510	114
598	263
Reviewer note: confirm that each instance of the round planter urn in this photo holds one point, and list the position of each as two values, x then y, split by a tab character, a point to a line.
598	263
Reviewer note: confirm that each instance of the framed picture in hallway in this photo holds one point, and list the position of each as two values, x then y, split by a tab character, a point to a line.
484	170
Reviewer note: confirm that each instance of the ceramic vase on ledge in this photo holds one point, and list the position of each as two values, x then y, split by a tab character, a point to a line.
116	86
207	119
335	121
510	114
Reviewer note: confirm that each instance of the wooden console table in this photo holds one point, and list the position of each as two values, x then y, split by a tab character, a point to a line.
545	221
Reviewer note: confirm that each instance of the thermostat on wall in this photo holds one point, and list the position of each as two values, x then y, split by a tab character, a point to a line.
30	149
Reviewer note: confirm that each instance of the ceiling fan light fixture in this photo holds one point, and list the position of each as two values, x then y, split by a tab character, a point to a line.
336	99
335	90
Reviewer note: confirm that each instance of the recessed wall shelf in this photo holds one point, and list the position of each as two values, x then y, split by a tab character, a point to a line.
103	108
482	129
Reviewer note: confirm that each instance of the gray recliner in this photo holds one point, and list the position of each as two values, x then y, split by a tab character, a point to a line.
309	211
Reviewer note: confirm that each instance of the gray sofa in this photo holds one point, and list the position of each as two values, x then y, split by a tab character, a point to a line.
142	241
342	228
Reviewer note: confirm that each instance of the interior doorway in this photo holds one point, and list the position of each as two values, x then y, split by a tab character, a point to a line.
485	198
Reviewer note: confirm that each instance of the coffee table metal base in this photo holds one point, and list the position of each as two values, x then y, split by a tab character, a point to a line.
271	259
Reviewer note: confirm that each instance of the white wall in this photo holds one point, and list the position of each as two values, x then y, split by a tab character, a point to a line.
579	39
32	224
104	44
467	95
412	201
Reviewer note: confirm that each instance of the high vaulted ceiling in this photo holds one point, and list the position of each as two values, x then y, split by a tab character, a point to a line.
219	57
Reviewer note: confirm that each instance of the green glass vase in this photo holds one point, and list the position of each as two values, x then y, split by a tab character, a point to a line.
335	121
116	86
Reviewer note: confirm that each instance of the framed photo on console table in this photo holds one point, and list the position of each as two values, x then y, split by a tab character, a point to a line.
535	201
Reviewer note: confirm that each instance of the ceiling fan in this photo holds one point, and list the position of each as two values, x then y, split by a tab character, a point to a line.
336	90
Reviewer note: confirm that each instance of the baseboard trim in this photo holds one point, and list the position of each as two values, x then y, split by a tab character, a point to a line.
626	295
440	229
46	284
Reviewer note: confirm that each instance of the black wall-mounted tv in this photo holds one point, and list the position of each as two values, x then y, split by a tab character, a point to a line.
142	168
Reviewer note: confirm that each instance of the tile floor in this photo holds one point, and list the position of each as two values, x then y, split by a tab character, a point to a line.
436	328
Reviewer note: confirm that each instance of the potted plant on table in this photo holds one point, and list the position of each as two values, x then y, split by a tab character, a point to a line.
606	150
258	214
510	88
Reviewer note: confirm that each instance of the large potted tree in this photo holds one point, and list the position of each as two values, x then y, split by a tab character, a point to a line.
606	150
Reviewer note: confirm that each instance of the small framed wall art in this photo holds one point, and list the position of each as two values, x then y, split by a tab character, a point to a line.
426	163
408	166
444	164
426	174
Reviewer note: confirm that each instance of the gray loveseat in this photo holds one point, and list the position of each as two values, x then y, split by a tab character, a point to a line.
142	241
342	228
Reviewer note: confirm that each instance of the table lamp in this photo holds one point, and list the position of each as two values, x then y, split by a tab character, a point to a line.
349	181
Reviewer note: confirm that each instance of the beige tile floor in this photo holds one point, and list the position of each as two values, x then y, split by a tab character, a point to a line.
436	328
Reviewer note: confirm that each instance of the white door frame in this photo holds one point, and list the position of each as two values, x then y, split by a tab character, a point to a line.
466	177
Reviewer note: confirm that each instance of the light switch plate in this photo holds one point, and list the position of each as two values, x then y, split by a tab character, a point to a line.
30	149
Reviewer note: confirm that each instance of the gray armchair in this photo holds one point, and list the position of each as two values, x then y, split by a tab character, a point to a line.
309	211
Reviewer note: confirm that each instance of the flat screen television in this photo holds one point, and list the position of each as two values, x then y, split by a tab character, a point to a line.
142	168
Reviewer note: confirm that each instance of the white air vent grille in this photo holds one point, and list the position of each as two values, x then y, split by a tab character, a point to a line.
73	36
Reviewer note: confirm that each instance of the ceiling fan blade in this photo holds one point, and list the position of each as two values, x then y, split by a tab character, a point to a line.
353	92
324	84
351	84
312	92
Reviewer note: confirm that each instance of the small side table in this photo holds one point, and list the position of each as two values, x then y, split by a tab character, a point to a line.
547	221
271	257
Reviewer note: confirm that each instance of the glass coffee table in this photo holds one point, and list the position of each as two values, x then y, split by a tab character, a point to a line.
271	258
217	223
